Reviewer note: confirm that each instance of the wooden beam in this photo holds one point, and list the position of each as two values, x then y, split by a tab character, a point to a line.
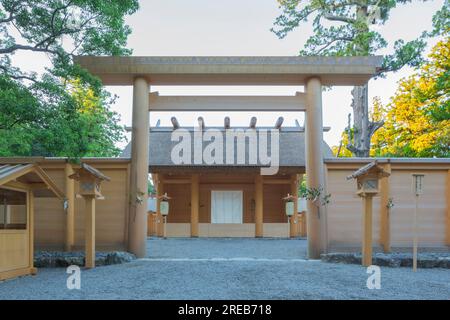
448	209
227	103
279	123
17	173
50	184
253	122
195	205
294	218
277	181
349	71
17	184
89	231
227	123
385	234
201	122
175	123
367	232
70	213
177	181
259	209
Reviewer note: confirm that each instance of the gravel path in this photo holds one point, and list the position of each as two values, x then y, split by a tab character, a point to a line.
230	269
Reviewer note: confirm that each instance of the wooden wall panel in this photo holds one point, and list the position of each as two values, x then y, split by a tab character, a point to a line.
13	250
180	210
180	193
50	218
110	213
273	203
345	211
431	214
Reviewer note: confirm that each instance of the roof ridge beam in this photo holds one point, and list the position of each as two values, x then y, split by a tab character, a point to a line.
295	103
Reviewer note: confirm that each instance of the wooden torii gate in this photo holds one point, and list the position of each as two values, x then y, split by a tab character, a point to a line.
311	72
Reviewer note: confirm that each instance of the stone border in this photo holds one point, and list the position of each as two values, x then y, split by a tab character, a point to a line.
58	259
393	260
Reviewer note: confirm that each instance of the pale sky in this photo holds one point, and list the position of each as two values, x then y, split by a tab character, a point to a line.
242	28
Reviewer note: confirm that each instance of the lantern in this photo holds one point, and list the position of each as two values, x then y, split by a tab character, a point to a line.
90	180
367	184
367	179
290	205
164	208
290	208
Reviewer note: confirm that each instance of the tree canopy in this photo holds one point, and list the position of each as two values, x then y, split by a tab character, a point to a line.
350	28
343	28
64	111
417	120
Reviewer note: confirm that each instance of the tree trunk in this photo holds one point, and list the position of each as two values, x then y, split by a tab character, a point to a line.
363	128
360	146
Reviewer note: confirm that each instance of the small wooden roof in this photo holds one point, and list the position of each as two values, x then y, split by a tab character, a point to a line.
32	175
87	169
372	167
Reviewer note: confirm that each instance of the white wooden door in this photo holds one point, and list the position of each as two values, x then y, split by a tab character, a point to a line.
226	206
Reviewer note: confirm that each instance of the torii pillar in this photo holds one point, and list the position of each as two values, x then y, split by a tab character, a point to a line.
316	226
137	230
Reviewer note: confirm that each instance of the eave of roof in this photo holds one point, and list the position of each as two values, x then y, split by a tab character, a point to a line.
11	172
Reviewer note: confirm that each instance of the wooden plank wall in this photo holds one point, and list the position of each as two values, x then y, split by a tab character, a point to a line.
111	213
431	213
49	216
345	211
345	208
180	202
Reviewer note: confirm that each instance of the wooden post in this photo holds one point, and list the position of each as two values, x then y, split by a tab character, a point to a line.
314	165
31	231
259	209
448	209
195	207
415	232
89	236
294	218
385	233
367	232
159	217
303	232
137	239
70	213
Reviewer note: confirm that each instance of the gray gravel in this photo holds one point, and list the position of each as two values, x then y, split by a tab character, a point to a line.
230	269
275	248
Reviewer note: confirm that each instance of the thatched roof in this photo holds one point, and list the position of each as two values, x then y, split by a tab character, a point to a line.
291	149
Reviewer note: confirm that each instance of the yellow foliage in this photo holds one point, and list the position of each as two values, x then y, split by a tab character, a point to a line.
88	102
411	128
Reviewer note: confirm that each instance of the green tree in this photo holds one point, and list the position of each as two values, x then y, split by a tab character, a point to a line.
64	111
418	116
344	28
